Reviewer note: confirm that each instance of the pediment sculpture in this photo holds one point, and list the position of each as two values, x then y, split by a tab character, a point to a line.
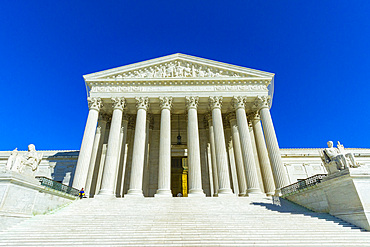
179	69
24	163
337	159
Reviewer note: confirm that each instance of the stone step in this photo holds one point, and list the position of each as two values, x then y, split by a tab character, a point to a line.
184	222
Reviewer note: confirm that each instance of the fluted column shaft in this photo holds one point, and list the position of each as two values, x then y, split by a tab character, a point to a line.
220	147
94	152
84	157
137	169
238	157
255	155
263	157
213	155
273	149
121	165
111	159
164	173
195	174
209	161
246	145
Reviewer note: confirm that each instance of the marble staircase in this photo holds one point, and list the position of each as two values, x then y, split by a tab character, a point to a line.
184	222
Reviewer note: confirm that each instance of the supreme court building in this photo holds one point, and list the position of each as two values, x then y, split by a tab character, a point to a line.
179	124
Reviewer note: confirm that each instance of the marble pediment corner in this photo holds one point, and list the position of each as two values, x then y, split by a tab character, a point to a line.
178	66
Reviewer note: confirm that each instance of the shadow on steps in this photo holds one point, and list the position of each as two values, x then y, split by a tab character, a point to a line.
284	206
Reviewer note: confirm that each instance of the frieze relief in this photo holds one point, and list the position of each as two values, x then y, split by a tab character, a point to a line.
177	69
121	89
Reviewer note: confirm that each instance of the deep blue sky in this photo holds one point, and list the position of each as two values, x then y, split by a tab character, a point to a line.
319	51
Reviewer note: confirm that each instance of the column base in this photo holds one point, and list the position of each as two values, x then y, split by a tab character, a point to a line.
196	193
231	195
163	193
225	191
105	194
134	193
254	191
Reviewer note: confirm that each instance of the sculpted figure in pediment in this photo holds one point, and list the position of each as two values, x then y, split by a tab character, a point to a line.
178	69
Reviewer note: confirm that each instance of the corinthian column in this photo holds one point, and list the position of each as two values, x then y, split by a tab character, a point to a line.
246	145
92	161
136	178
164	173
273	149
215	103
213	153
111	159
238	155
263	157
84	157
195	175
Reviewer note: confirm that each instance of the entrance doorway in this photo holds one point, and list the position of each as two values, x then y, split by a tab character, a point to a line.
179	176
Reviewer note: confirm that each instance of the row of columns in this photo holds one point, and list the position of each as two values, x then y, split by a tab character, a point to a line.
243	150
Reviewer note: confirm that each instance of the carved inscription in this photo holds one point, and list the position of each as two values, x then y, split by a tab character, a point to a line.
120	89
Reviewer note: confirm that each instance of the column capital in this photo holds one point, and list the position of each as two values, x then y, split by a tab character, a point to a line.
250	124
262	102
142	103
215	102
208	117
165	103
95	103
192	102
238	102
98	130
105	117
118	103
254	116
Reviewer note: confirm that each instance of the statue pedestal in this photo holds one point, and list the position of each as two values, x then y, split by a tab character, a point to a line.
23	196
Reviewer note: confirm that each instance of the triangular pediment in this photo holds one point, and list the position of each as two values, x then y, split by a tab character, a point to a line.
178	66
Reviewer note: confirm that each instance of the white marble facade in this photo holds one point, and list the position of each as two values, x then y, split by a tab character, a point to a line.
138	112
221	112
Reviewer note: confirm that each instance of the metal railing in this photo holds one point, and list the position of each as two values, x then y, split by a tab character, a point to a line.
57	186
308	182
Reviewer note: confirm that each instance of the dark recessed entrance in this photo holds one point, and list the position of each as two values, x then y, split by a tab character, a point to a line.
179	176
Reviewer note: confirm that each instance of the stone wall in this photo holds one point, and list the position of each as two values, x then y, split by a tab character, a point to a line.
22	197
345	195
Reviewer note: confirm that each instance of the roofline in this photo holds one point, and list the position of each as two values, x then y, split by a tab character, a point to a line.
176	56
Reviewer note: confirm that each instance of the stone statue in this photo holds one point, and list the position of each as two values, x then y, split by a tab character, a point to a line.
26	163
336	159
10	162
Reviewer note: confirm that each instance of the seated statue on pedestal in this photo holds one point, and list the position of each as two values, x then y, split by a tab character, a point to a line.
26	163
336	159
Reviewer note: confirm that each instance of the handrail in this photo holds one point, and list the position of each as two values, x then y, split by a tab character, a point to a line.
302	184
57	186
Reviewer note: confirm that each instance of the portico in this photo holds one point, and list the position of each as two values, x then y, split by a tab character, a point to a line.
147	116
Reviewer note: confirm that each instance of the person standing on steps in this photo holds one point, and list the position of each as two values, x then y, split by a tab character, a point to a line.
81	193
